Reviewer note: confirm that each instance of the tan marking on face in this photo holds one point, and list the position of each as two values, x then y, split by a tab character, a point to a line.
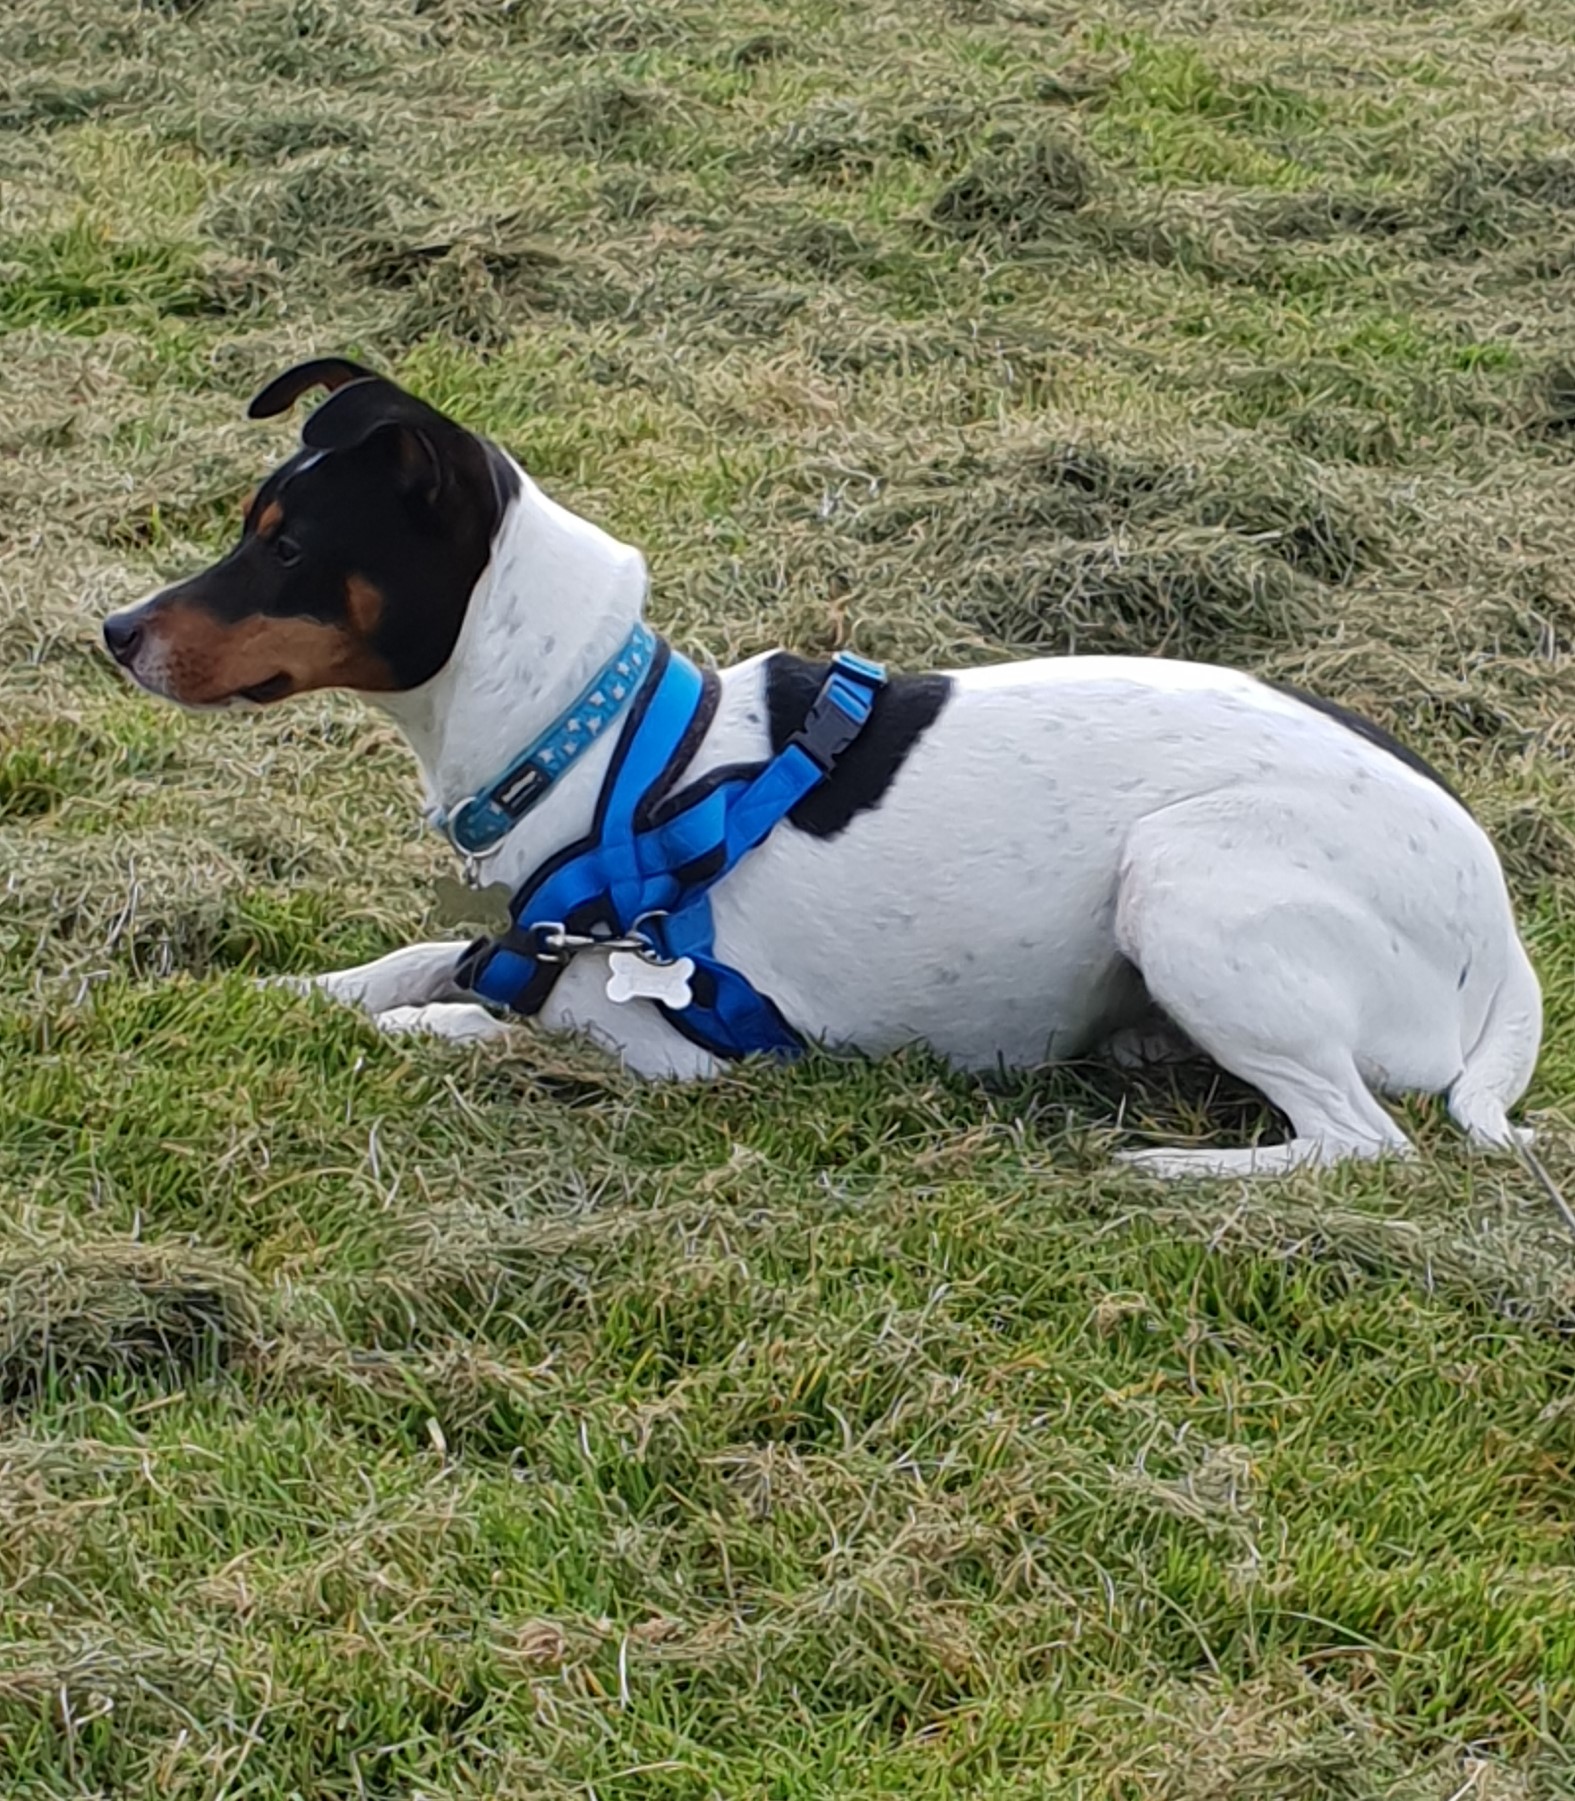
204	660
364	603
270	519
247	504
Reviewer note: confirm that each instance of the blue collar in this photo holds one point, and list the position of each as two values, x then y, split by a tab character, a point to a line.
480	821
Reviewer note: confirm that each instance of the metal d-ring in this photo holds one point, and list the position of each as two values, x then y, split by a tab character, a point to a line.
550	942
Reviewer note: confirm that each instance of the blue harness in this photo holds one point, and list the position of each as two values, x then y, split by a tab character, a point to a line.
644	875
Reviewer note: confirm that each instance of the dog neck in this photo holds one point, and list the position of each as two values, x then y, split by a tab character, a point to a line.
557	598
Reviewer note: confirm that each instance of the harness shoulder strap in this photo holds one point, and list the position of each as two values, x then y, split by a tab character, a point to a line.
751	808
655	883
573	891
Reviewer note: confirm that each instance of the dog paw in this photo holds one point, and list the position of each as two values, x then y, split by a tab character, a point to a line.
1209	1162
460	1022
289	984
1167	1166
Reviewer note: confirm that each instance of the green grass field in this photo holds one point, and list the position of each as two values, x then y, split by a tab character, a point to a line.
380	1420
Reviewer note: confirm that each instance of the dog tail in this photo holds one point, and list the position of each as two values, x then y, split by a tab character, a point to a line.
1499	1065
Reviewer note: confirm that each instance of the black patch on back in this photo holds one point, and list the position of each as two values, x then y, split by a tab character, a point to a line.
903	712
505	478
1372	732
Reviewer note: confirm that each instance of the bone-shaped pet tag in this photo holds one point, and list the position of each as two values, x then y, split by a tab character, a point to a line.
631	977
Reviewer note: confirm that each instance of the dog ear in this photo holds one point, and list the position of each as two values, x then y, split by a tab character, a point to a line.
331	372
426	441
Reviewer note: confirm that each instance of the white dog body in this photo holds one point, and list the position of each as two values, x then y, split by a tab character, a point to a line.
1073	839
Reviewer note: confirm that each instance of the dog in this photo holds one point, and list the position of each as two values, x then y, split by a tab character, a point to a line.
1012	865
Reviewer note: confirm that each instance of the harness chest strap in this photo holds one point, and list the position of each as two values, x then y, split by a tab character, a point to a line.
645	872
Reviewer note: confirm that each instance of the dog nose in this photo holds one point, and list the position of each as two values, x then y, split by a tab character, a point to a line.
122	635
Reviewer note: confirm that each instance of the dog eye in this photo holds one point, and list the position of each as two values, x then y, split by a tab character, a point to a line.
287	551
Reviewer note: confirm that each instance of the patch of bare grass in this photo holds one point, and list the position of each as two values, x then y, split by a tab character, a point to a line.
1479	202
1189	594
1551	409
1073	546
1019	194
318	208
264	136
601	117
1320	214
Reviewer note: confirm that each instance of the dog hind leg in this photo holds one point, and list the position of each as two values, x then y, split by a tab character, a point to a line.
1499	1065
1264	971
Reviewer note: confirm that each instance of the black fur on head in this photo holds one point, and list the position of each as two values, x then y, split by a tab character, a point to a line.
356	561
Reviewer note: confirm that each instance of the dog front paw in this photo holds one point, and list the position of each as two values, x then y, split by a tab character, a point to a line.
291	984
294	984
458	1021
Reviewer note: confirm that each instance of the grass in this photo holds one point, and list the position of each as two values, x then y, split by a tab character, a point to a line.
381	1420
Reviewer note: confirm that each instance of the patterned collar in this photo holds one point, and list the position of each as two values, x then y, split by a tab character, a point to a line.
481	820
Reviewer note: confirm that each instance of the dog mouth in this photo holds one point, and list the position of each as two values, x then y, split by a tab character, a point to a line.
260	693
140	654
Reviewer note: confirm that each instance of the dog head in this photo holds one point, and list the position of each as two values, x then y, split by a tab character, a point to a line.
356	561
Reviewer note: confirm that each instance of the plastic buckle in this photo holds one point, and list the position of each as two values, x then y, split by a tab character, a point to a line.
826	733
862	669
840	710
